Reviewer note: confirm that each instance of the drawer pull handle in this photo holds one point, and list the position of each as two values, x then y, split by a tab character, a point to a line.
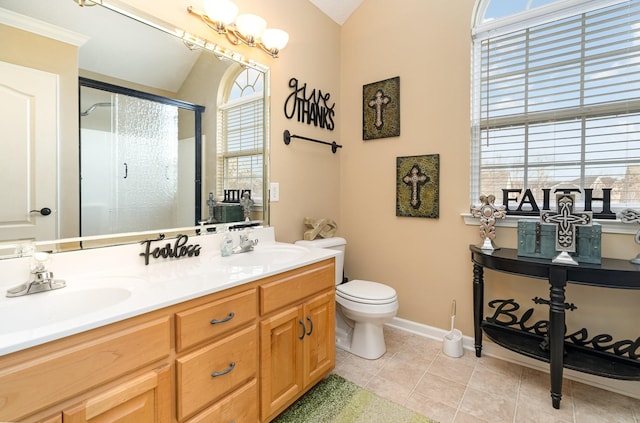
310	325
304	329
232	365
226	319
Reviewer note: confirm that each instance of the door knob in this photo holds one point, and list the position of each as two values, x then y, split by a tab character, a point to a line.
45	211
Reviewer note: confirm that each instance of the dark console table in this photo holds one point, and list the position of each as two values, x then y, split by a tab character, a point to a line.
611	273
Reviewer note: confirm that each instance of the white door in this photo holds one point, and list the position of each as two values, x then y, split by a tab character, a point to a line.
28	153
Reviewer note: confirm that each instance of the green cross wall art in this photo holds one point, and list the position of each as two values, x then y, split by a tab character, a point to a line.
381	109
417	186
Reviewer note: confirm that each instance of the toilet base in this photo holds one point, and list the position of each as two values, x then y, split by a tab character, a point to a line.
368	340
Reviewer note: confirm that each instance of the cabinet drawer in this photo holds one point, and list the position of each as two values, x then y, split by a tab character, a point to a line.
207	374
62	374
239	407
215	318
294	286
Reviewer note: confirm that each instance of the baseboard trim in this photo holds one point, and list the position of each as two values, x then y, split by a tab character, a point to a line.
624	387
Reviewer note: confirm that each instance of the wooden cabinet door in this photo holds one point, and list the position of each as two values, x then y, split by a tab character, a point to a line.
319	355
145	399
281	354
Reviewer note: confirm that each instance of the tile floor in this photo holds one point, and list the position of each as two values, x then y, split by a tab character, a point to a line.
416	374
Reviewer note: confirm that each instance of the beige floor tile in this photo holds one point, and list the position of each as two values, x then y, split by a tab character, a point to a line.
462	417
414	372
440	389
592	404
536	410
487	406
392	390
454	369
430	407
488	379
402	372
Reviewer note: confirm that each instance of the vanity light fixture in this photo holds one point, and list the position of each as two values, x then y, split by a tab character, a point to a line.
222	16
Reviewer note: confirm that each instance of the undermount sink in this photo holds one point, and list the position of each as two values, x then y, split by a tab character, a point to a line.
263	255
36	310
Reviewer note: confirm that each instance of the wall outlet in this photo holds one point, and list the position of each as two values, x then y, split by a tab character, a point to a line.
274	191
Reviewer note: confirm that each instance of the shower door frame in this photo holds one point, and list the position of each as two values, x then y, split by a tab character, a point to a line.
117	89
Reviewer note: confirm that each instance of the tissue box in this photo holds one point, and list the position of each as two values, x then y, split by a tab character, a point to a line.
539	241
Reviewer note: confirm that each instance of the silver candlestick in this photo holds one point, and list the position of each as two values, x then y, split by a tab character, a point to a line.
488	213
632	216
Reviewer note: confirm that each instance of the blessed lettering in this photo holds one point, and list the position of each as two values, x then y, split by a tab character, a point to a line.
526	205
312	108
178	249
505	315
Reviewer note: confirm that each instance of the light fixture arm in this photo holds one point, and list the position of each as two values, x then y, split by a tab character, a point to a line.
233	35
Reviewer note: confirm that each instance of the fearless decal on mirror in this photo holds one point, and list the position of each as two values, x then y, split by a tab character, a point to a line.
180	248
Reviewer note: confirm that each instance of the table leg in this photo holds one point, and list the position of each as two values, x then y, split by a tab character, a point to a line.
478	304
558	281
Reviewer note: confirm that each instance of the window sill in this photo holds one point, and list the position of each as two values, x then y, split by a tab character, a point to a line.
608	225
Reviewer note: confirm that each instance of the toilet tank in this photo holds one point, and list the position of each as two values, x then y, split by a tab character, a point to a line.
335	243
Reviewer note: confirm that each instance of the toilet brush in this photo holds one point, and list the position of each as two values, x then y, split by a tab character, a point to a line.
452	342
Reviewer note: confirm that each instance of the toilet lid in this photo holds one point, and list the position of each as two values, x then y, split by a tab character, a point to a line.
366	292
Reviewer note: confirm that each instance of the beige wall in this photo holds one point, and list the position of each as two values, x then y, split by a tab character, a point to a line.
425	260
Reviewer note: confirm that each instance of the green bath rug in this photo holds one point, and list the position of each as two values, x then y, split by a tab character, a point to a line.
336	400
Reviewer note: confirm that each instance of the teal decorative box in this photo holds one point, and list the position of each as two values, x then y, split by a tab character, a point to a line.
539	241
225	213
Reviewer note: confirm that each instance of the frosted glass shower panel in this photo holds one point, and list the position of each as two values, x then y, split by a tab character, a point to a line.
147	151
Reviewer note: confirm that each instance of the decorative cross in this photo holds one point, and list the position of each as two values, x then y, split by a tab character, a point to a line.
488	213
378	102
415	178
566	222
631	216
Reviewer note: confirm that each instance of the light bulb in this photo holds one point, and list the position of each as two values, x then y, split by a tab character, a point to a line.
251	25
223	11
274	39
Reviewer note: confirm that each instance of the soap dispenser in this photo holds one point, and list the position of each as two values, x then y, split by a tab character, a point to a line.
226	246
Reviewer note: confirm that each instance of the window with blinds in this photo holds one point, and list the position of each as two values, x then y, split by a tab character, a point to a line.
241	137
557	105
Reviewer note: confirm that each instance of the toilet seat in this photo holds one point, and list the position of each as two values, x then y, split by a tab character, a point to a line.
366	292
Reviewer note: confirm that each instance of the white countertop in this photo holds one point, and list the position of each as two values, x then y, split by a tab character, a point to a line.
107	285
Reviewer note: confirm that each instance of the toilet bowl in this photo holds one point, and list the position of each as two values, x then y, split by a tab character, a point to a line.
362	307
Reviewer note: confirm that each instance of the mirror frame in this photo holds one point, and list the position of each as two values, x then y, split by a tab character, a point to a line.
12	249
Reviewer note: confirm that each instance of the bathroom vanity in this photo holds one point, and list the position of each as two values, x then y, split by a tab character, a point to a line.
203	339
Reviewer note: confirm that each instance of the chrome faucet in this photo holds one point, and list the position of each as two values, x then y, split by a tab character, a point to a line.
246	244
41	279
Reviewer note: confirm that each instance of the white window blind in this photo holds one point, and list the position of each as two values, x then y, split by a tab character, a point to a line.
241	141
558	105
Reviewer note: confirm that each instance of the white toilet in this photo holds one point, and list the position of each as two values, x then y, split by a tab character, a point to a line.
362	307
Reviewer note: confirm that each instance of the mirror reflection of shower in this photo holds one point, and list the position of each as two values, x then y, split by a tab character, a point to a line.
93	107
137	164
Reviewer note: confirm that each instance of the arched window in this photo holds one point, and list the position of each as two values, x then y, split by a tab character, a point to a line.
240	142
556	99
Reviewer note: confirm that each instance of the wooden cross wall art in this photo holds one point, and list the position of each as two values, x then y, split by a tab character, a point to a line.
418	186
381	109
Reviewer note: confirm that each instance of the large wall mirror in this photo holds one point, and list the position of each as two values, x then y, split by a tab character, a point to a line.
147	132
